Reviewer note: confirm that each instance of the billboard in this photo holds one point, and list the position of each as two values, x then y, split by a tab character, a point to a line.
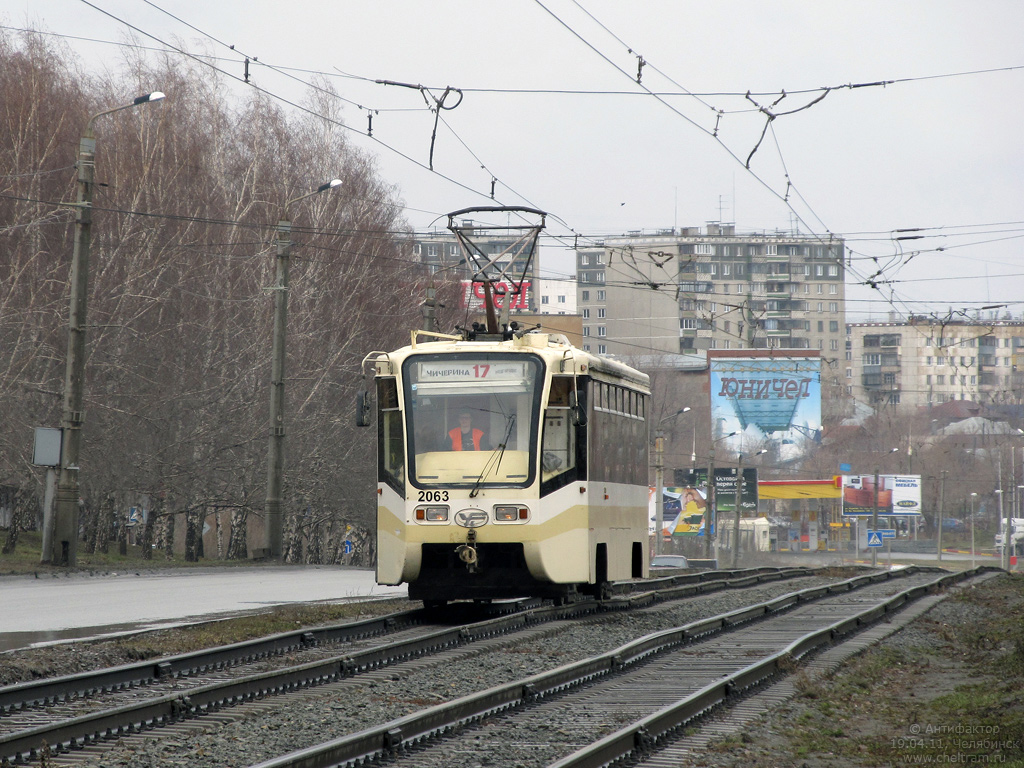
725	486
897	495
769	394
683	513
519	300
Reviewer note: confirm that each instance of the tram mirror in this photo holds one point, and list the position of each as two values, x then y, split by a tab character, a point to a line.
362	408
579	413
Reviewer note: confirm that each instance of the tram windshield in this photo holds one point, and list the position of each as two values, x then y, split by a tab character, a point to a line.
472	419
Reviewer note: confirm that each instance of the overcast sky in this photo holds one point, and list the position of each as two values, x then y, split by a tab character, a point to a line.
551	111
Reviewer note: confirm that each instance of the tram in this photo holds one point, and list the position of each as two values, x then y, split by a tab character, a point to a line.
510	464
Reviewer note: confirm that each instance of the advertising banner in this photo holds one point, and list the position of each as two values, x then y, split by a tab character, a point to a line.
771	393
897	495
725	486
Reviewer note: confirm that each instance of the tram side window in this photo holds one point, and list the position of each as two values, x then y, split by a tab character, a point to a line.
558	459
391	458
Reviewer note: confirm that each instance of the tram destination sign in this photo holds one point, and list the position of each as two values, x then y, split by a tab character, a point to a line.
471	370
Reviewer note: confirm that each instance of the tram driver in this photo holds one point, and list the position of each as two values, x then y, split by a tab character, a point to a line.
466	437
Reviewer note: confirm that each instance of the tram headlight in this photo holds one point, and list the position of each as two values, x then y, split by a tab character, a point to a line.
510	513
432	514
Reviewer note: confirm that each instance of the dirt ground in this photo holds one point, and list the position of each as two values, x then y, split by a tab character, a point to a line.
946	690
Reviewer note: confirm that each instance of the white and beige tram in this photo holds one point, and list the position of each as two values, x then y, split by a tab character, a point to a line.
508	468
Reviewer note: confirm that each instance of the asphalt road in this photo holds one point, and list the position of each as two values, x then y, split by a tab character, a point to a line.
53	608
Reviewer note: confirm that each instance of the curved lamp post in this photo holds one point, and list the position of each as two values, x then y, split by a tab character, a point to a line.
275	452
740	488
65	535
659	472
712	500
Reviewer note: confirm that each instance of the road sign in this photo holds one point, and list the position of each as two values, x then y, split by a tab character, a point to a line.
349	546
874	538
887	533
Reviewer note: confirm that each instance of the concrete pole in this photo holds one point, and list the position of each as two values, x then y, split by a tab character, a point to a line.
659	501
275	448
942	511
65	530
273	534
736	521
874	524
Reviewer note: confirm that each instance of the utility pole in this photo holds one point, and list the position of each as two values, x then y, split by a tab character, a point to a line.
65	529
659	500
942	510
874	524
274	537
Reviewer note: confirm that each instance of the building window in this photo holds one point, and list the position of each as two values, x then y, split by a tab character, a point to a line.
688	323
586	330
833	270
561	299
940	379
726	270
586	296
602	349
544	299
600	311
869	358
584	259
833	326
821	305
821	287
833	289
432	251
704	249
771	250
586	313
833	307
600	295
600	258
819	270
602	331
849	373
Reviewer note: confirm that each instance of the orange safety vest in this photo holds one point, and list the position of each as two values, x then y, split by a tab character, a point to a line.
456	436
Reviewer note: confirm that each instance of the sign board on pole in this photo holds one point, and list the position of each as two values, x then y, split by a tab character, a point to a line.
46	447
874	538
895	495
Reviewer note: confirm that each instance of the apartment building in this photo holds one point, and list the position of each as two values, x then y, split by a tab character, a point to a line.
684	291
926	361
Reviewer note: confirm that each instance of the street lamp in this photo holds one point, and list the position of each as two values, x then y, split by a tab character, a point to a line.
711	513
65	538
974	496
740	488
659	473
275	452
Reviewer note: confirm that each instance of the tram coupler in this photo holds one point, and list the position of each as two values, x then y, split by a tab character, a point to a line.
467	552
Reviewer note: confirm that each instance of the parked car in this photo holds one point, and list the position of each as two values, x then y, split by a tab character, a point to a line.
659	562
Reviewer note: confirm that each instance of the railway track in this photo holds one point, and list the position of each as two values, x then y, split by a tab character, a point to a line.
657	685
63	714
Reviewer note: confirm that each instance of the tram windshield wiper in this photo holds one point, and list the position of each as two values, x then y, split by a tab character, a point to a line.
495	457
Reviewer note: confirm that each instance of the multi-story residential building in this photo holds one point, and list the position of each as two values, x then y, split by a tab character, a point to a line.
686	291
927	361
556	296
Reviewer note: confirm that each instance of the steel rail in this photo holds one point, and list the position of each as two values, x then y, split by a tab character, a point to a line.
108	724
411	730
642	737
44	693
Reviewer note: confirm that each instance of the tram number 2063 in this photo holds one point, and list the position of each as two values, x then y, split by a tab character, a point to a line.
433	496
